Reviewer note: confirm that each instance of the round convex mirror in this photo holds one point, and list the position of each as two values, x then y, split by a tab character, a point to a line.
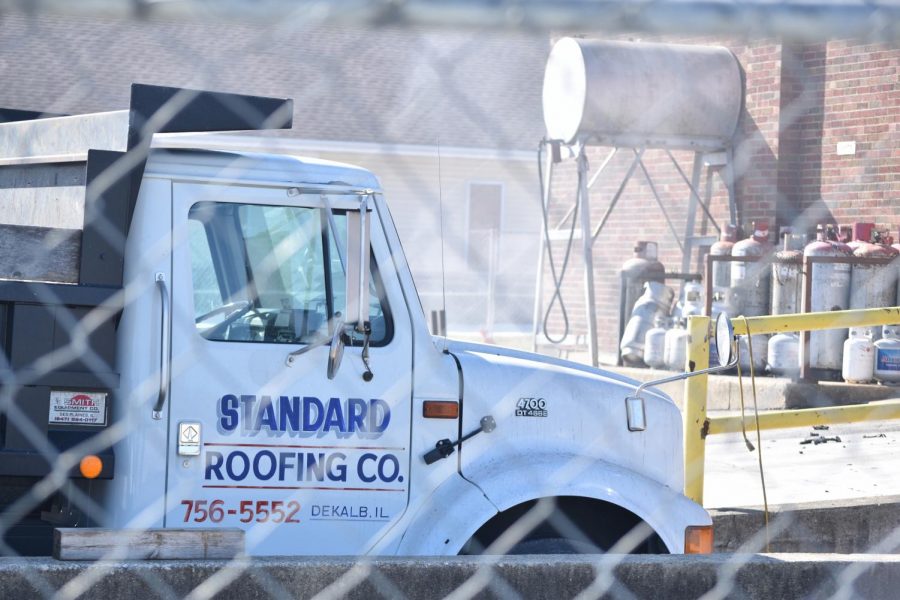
724	339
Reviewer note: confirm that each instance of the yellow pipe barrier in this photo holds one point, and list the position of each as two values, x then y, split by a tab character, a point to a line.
696	424
836	319
695	408
832	415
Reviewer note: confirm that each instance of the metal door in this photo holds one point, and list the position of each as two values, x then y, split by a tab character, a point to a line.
306	465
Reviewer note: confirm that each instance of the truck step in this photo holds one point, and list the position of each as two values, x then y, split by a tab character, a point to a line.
88	543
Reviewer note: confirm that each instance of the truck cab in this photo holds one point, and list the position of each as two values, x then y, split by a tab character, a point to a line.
275	373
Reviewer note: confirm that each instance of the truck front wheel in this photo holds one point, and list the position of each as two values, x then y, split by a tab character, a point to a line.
564	525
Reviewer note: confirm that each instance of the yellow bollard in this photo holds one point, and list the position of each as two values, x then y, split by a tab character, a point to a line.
695	408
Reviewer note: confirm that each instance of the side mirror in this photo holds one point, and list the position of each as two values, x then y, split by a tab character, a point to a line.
336	352
724	339
357	311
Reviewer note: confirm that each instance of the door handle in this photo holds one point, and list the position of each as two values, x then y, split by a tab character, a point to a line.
163	347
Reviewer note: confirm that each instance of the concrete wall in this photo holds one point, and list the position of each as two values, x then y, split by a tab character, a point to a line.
610	576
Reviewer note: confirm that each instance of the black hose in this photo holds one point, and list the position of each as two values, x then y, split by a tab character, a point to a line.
557	281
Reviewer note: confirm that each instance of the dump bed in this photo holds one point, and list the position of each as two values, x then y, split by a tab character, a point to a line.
67	191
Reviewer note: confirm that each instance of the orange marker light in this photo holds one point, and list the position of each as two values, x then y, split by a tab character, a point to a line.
698	539
91	466
440	409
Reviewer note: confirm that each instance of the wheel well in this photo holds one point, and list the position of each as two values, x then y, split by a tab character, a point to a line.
587	524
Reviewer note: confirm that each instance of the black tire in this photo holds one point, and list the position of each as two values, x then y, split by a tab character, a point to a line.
554	546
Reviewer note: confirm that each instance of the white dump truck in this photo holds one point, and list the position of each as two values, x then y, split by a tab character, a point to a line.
234	339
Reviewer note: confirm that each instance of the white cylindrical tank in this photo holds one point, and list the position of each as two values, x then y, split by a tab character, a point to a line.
783	354
887	356
692	303
830	290
760	352
787	282
655	346
642	94
749	291
676	348
859	356
657	299
873	286
721	270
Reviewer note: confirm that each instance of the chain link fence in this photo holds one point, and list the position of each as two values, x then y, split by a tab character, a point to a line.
171	362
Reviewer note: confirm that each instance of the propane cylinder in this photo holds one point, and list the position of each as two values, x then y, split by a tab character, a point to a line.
783	354
787	283
749	291
859	356
830	290
657	298
692	301
873	286
760	352
655	345
887	356
639	269
721	271
676	347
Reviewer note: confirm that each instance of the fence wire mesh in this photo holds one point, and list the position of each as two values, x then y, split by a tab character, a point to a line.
234	262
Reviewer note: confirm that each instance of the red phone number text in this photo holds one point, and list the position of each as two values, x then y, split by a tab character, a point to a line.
260	511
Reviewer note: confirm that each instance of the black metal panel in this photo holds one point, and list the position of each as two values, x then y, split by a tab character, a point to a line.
4	333
63	379
198	110
56	293
31	337
38	330
107	214
33	464
33	404
8	115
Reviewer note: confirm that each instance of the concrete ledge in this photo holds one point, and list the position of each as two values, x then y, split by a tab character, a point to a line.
772	393
848	526
671	577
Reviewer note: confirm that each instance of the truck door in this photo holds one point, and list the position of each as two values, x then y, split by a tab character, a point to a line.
304	463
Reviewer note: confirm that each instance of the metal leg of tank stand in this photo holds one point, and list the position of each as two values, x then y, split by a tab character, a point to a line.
728	176
587	244
615	198
690	222
662	207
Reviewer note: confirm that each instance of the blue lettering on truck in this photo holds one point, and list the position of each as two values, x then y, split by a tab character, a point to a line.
302	416
248	416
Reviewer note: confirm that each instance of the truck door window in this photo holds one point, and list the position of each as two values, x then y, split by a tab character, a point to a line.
269	274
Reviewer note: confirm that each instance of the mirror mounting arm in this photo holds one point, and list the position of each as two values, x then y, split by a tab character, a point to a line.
682	376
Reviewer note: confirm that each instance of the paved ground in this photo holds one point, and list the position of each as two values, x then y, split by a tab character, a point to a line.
866	462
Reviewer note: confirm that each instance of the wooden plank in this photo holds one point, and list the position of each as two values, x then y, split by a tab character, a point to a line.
86	543
39	253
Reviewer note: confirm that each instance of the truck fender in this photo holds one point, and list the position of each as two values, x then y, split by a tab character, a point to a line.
447	519
458	508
